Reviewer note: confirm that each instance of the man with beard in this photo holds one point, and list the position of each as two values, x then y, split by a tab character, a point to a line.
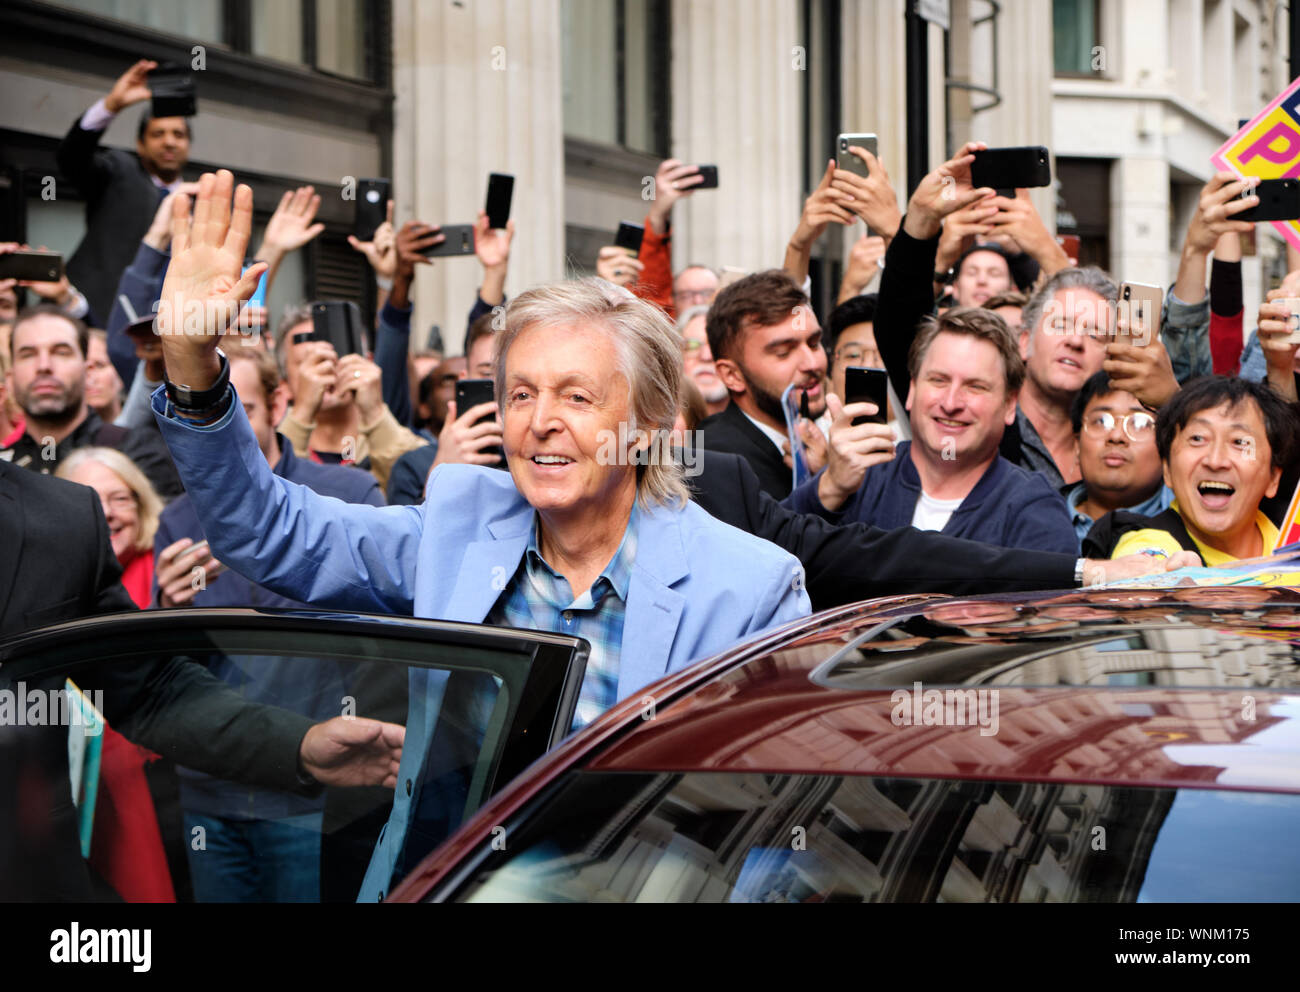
697	359
764	337
48	350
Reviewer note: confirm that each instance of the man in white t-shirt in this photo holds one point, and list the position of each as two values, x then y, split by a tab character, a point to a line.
966	373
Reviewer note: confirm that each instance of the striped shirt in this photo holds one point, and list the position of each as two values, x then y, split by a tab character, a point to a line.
539	598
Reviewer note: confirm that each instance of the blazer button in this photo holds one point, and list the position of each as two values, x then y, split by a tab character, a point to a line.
408	786
568	616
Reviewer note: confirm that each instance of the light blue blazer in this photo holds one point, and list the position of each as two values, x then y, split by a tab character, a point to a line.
698	585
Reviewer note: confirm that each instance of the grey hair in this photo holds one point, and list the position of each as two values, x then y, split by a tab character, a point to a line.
649	357
1088	277
689	314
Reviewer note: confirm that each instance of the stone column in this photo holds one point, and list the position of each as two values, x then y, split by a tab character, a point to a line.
478	90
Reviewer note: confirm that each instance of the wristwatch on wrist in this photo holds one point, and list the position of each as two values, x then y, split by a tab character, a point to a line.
943	277
1078	571
192	401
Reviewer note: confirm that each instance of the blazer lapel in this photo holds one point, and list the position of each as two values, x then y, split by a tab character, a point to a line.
653	608
487	566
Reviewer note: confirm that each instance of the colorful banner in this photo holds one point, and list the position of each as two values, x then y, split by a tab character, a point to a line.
1268	147
1289	532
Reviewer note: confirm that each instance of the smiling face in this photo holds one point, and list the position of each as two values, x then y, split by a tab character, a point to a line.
697	361
564	399
1068	344
121	509
983	275
1117	470
1220	466
959	404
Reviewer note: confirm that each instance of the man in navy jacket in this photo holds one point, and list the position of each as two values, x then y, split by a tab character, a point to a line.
966	372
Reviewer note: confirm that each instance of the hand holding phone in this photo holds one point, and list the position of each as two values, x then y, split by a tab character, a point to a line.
863	384
1009	169
1137	314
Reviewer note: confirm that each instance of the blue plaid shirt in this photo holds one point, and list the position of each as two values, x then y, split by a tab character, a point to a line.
539	598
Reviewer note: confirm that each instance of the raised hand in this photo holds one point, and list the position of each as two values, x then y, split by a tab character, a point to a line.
291	227
944	191
381	250
131	87
673	181
871	198
618	265
204	291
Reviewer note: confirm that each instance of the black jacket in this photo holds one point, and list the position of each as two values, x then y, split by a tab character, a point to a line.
1110	527
56	564
732	432
844	564
144	445
121	200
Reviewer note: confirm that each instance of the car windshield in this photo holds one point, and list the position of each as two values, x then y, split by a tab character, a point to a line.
718	837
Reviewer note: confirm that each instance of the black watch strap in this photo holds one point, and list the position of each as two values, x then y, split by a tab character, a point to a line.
199	401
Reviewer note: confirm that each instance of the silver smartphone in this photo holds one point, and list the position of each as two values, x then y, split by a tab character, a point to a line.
845	159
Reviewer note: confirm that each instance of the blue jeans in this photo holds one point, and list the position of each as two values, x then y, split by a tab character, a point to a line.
255	860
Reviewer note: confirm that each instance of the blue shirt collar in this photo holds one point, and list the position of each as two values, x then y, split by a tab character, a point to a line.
617	574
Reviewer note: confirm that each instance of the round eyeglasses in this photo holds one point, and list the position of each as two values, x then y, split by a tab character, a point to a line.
1137	426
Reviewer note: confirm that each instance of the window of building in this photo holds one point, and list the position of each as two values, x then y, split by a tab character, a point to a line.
197	19
1075	34
616	80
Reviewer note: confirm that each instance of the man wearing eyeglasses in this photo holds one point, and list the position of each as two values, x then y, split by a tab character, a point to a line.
1115	443
697	359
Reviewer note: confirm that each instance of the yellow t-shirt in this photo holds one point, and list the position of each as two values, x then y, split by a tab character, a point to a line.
1152	540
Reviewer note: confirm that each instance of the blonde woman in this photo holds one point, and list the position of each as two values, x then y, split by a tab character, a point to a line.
131	507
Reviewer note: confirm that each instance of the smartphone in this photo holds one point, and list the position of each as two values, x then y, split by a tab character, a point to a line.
1139	308
629	236
472	392
501	188
32	266
869	385
1279	199
1009	169
172	88
710	174
372	207
339	323
459	240
1292	303
845	159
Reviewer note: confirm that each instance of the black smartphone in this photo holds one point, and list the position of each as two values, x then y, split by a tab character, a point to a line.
1012	168
339	323
864	384
710	174
459	240
172	88
1279	199
372	207
629	236
32	266
472	392
501	187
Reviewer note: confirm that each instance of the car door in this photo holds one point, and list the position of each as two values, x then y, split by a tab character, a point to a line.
178	732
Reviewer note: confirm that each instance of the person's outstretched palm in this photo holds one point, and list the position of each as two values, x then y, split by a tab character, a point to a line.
204	292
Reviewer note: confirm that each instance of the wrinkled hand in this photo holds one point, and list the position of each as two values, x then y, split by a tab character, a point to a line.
1279	337
619	266
462	441
814	445
353	752
159	235
131	87
943	192
873	198
492	245
291	227
182	571
961	228
359	376
1098	572
827	205
853	450
1143	371
1215	210
380	250
204	291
